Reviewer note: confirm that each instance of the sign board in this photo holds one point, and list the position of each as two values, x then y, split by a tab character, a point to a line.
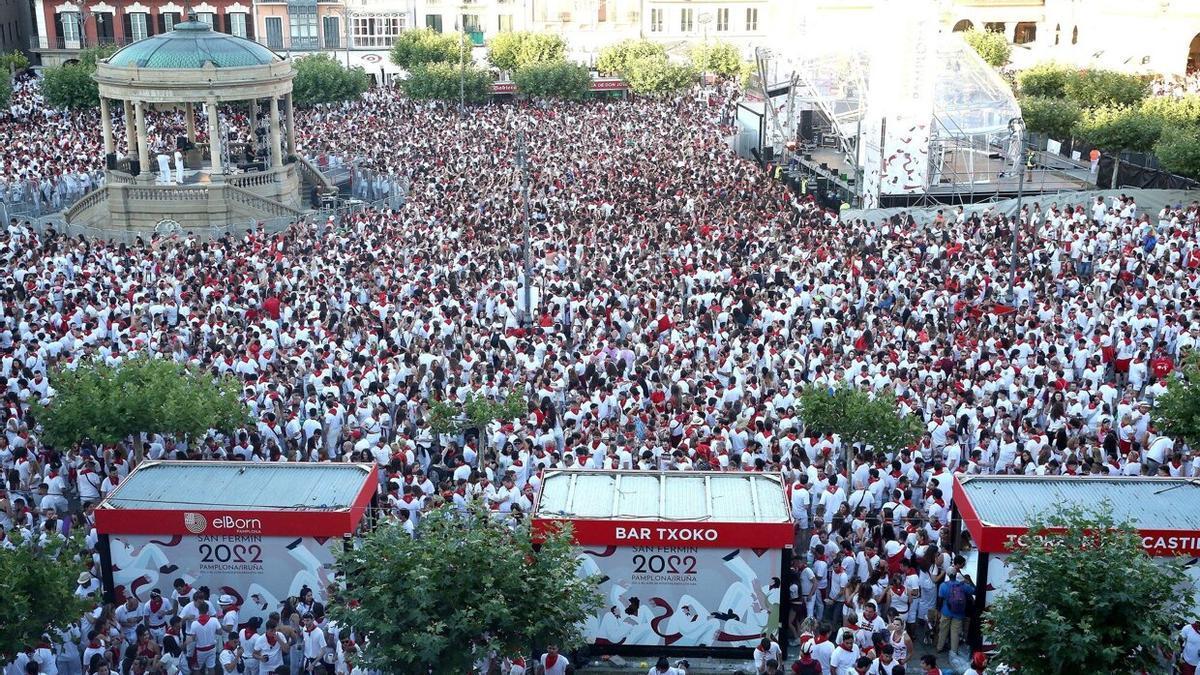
682	596
260	571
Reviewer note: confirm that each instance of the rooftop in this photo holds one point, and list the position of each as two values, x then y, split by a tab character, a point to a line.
240	486
675	495
1148	503
192	45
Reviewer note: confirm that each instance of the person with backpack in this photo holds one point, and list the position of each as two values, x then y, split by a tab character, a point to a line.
956	603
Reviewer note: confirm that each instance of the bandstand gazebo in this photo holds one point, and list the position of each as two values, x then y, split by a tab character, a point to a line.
238	164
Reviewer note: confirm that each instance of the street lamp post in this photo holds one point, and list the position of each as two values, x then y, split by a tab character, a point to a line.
523	167
1017	127
705	19
460	25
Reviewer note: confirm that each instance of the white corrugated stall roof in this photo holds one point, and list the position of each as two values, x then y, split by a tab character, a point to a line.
1147	503
667	495
222	486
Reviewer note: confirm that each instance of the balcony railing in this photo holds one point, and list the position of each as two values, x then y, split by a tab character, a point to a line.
41	42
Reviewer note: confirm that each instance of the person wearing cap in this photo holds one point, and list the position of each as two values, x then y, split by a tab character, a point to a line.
806	664
87	585
230	615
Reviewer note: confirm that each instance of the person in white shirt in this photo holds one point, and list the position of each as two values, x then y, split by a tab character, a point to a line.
202	634
269	649
554	663
766	651
663	667
314	643
1189	656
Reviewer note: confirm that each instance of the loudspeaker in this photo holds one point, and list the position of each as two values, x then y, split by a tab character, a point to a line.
806	126
110	161
769	154
135	167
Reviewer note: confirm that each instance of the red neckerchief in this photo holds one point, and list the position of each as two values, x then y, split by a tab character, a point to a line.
203	619
247	633
271	639
153	607
551	659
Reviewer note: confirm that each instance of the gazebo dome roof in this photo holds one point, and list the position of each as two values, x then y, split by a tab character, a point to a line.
193	44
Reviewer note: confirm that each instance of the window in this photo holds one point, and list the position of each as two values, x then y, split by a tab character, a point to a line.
206	17
1026	32
70	28
656	20
723	19
376	31
751	19
434	21
169	19
1057	33
994	26
601	11
302	20
686	23
332	32
104	27
1075	35
471	23
238	21
274	26
137	25
504	23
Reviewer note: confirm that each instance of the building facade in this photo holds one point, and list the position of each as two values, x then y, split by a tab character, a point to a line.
1110	33
14	25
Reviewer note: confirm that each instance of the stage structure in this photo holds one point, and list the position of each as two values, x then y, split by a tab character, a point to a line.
208	140
688	563
913	114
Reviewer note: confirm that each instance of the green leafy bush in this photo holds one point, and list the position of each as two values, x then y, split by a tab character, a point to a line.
1053	116
991	47
720	58
512	51
650	75
414	48
616	58
440	82
1094	88
1115	129
320	78
560	80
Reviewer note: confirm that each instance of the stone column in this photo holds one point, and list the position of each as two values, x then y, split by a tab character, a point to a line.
214	138
291	127
130	131
106	126
143	141
276	152
190	111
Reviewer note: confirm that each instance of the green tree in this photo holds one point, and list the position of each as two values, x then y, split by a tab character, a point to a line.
560	79
1044	80
515	50
413	48
1118	129
5	92
320	78
466	586
38	587
720	58
475	413
70	87
1085	598
1053	116
653	75
13	62
1177	411
856	417
439	82
993	48
615	59
108	404
1178	151
1095	88
1181	112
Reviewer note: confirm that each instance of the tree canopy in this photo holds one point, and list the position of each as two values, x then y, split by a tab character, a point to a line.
1086	598
720	58
857	417
1177	411
1056	117
321	78
13	62
561	80
992	47
515	50
107	404
414	48
1178	151
71	86
1115	129
652	75
440	82
616	59
466	579
38	586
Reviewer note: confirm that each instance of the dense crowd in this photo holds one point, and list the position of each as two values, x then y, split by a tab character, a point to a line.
681	300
